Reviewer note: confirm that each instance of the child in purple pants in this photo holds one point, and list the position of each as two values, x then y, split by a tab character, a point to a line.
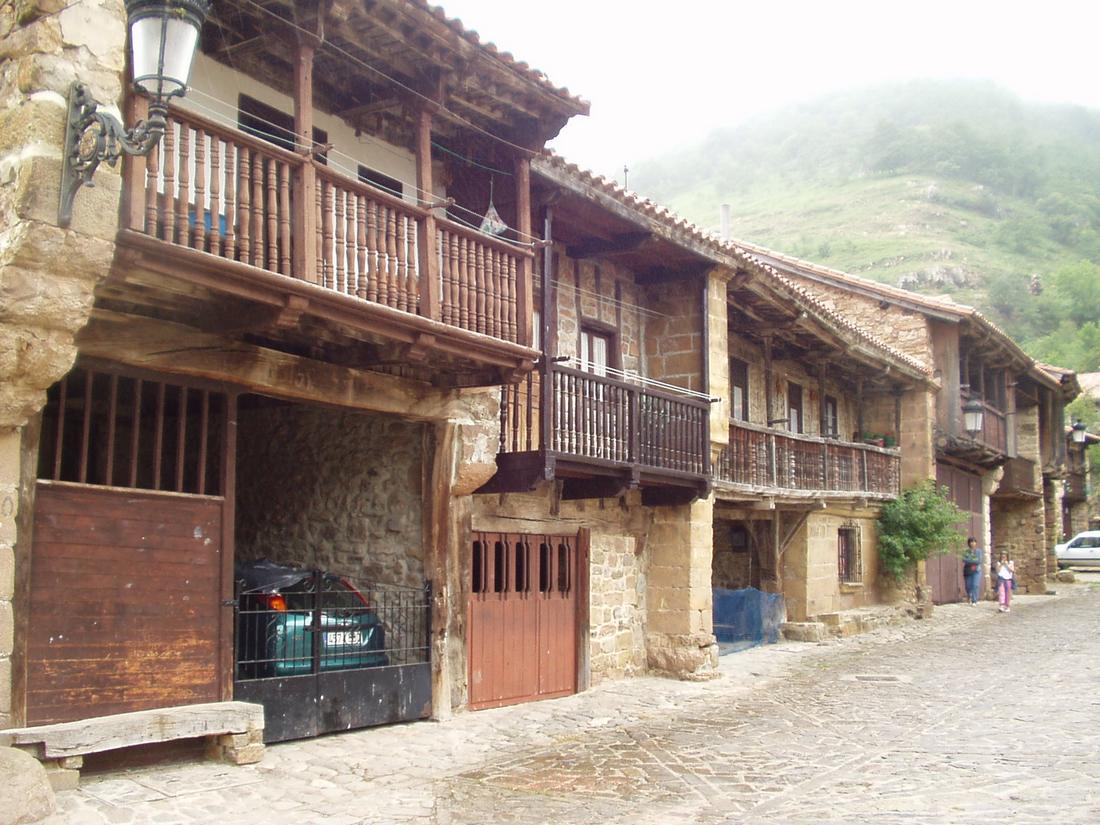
1006	572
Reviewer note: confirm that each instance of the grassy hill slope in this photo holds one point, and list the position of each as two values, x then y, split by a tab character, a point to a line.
942	187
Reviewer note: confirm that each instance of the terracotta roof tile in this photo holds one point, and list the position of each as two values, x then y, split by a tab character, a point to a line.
520	67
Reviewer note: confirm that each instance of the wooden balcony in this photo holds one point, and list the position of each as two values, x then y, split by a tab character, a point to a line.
1076	487
601	436
994	432
1020	480
225	210
777	462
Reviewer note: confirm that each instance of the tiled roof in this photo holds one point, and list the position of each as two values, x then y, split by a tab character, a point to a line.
519	66
941	306
725	251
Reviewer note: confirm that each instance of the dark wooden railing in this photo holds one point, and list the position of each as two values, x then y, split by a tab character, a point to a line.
606	420
994	432
1076	486
763	458
223	192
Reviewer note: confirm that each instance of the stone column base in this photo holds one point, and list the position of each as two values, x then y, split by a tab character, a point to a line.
692	657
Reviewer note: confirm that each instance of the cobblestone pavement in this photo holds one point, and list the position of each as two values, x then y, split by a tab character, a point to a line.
969	717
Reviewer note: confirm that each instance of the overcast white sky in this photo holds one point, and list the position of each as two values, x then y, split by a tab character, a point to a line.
663	74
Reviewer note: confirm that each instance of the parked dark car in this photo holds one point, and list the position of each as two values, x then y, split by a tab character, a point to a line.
277	610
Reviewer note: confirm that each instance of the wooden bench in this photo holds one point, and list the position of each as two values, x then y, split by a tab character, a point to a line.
233	731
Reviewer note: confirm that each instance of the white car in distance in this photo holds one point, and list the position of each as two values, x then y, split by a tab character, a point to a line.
1083	550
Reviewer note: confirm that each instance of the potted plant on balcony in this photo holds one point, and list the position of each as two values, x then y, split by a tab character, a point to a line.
874	439
889	440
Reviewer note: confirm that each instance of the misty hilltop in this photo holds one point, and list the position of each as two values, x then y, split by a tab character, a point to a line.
945	187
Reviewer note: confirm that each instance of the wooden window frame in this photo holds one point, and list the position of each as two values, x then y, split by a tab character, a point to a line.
792	390
739	369
849	554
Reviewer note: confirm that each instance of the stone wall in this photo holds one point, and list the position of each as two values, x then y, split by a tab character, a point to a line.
674	334
47	274
332	489
1019	526
584	295
1018	529
732	567
811	573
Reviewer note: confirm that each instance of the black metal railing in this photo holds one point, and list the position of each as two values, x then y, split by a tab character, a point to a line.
324	622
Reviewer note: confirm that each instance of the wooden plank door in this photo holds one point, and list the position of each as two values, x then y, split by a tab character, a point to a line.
131	558
521	618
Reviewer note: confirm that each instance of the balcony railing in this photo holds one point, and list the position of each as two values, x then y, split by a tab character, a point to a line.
994	432
231	195
1076	486
602	420
764	459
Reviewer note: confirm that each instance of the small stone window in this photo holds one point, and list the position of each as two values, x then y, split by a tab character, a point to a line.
849	557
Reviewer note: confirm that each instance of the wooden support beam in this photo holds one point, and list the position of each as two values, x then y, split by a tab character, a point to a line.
525	293
599	247
425	228
792	530
304	262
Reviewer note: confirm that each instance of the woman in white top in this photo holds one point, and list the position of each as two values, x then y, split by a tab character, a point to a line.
1006	572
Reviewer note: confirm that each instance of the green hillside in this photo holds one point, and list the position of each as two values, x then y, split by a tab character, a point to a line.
955	188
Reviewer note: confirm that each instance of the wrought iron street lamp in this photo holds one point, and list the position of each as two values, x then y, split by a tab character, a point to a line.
163	38
1079	431
973	415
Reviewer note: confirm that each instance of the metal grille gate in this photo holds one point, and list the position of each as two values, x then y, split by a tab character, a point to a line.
522	618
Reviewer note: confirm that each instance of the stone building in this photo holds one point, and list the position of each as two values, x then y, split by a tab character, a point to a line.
1007	474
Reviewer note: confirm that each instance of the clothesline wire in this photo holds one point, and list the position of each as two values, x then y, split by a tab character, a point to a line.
606	299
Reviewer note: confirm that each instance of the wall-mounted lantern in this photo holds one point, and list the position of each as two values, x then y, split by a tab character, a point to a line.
973	416
163	38
1079	431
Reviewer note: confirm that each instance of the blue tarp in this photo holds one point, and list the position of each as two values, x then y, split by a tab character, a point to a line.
746	618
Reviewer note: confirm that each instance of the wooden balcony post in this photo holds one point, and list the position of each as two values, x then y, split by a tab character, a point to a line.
133	179
524	292
863	471
547	410
635	425
425	227
304	225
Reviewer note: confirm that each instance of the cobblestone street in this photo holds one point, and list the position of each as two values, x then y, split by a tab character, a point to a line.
970	717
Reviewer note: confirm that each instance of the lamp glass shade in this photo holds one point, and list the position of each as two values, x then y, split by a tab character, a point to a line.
163	37
1079	432
973	416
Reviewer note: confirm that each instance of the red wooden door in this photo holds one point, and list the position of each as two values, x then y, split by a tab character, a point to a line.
522	618
125	601
945	572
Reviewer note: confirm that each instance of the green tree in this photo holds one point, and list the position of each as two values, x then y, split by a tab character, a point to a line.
919	523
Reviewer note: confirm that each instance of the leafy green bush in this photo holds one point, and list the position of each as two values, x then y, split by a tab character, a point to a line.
919	523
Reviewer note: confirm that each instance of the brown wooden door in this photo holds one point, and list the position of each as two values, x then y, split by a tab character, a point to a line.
522	618
125	601
945	572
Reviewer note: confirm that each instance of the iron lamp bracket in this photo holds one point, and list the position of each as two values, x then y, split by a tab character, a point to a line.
92	137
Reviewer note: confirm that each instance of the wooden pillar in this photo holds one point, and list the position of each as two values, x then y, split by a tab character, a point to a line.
425	227
859	410
304	227
822	422
769	408
897	416
524	291
226	616
547	322
769	403
133	181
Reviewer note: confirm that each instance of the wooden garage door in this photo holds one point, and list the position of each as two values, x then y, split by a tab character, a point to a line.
522	618
128	579
945	572
125	602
